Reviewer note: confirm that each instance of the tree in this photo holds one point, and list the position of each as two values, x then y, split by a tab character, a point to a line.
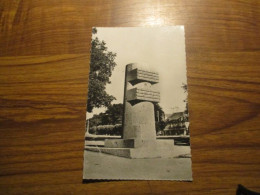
102	64
112	116
115	113
185	88
109	122
159	117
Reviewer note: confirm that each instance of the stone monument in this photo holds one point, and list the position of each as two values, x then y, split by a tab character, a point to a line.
139	134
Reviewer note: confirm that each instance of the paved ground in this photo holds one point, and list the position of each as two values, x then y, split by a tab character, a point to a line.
105	166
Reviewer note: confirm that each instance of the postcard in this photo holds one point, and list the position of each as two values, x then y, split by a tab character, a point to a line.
137	119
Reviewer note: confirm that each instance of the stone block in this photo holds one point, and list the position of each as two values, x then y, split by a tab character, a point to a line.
119	143
150	149
140	94
123	152
138	75
139	121
133	143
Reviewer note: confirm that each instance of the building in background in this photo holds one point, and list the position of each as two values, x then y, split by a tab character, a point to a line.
177	124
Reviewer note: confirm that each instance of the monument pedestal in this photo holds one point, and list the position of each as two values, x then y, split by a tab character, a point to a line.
134	148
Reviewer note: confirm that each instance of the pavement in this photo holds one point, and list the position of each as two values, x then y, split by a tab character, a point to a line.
104	166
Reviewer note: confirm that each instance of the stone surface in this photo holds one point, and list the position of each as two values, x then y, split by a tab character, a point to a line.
137	143
142	94
139	121
138	108
103	166
136	75
137	149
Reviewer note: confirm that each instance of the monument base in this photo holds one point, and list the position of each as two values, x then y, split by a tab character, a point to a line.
133	148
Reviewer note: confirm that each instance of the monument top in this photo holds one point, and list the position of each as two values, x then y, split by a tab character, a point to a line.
137	73
141	66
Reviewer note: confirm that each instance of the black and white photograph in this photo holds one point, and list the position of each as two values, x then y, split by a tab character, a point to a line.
137	119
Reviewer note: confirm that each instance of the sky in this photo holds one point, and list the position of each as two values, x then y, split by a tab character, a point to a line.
158	48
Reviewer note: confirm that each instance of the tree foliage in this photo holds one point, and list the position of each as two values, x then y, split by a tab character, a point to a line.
101	66
185	88
112	116
159	117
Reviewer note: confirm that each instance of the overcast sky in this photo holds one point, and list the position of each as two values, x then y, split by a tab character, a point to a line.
158	48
